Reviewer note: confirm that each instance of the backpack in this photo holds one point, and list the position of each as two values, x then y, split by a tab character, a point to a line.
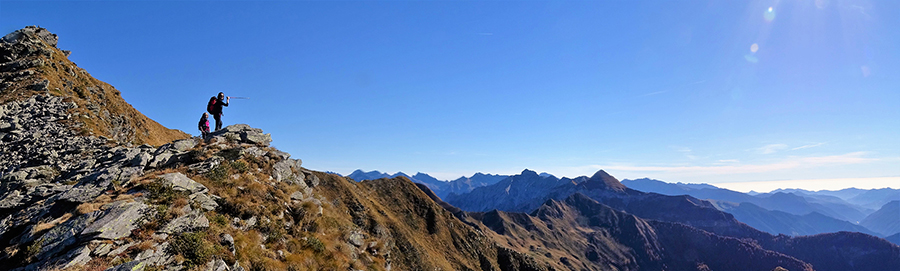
211	106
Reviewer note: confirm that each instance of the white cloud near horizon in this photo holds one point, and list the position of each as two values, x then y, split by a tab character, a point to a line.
788	163
814	184
771	148
808	146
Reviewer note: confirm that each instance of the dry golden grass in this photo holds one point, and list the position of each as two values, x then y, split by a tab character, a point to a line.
67	80
179	203
144	245
121	197
46	226
86	208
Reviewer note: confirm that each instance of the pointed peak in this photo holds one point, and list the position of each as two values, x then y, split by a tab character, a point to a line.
602	180
528	172
601	174
33	31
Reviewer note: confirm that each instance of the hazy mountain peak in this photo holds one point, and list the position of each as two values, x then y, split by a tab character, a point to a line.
601	179
528	172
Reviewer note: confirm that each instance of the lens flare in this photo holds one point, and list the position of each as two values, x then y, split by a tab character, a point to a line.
751	58
754	48
769	15
821	4
865	71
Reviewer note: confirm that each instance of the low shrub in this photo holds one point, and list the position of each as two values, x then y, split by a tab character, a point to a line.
195	249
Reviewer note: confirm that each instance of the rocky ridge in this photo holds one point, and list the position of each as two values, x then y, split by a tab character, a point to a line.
31	64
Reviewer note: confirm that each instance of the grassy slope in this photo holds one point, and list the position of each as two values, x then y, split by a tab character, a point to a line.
101	109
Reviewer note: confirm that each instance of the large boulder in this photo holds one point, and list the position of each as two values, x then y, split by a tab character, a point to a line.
118	221
188	222
206	202
180	182
93	185
50	38
244	134
289	171
62	236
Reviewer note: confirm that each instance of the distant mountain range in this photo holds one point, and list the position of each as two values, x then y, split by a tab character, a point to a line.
894	238
790	202
886	220
707	235
794	212
440	187
869	199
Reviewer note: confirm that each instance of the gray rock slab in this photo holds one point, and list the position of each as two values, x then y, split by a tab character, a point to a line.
289	171
216	265
187	222
76	257
180	182
297	195
62	236
12	199
356	238
253	151
160	160
155	255
121	249
102	249
81	194
141	160
206	202
117	222
256	138
228	241
129	266
184	144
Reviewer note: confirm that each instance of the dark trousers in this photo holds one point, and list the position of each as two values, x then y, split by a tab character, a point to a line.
218	118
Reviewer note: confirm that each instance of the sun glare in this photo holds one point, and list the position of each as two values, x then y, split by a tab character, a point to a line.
769	15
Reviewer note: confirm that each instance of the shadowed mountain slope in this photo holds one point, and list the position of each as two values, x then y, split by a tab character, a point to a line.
876	198
894	238
438	187
777	222
579	233
695	213
886	220
793	202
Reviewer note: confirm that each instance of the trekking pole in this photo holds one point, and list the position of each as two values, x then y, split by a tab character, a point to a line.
244	98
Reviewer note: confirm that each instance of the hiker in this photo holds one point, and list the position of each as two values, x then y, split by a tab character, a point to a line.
204	125
214	107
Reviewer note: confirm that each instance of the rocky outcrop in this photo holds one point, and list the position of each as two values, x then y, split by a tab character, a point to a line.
31	64
117	222
40	193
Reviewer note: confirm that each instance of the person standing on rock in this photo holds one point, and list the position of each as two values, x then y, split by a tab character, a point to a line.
204	125
214	107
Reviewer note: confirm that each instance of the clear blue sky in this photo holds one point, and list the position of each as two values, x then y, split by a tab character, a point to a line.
690	91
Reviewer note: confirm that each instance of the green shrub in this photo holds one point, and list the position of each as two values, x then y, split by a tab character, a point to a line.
219	219
315	244
195	249
35	248
161	193
219	173
274	231
239	167
230	154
